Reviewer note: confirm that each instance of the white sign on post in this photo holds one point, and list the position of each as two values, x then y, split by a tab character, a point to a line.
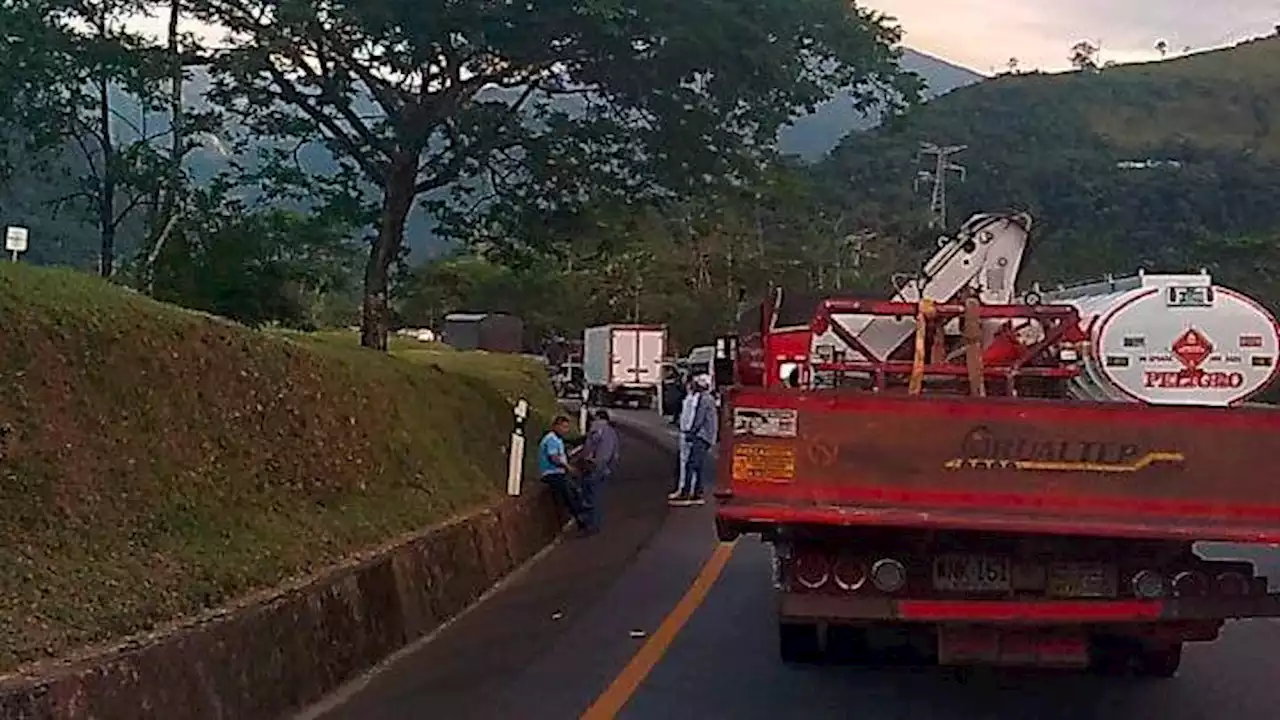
15	240
515	461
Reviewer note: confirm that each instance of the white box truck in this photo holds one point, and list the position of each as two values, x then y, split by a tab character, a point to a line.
622	364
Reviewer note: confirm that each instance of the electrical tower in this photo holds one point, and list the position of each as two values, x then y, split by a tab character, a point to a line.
938	178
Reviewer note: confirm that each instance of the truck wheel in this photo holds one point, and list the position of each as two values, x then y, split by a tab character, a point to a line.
1160	661
798	643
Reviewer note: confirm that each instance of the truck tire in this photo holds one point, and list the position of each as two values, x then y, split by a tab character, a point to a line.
1161	661
798	643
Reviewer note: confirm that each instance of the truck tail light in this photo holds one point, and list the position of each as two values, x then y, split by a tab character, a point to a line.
811	569
1232	584
1148	584
888	575
1190	584
850	574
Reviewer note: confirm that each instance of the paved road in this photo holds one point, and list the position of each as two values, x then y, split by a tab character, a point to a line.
509	660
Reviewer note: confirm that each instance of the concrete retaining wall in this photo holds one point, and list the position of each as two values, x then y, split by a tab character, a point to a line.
290	649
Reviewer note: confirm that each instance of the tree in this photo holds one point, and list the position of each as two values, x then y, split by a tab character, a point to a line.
1162	47
100	118
32	68
416	98
255	265
1084	56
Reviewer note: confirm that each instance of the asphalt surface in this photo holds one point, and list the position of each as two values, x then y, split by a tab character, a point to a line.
551	641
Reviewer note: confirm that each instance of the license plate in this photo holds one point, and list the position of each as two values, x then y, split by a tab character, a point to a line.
1082	580
971	573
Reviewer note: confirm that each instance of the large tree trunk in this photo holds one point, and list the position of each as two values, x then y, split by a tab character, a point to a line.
398	193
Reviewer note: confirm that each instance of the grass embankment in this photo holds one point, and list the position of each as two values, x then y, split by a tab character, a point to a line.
157	462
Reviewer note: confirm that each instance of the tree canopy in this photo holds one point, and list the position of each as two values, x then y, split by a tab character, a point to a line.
540	105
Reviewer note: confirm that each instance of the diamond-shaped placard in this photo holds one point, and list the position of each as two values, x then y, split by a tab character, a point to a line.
1192	348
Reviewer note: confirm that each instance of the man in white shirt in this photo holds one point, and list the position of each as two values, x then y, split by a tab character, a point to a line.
688	407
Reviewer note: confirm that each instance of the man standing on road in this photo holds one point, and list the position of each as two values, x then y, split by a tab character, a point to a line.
600	455
685	423
554	468
702	436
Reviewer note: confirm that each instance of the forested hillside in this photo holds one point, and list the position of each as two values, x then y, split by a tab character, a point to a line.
609	188
1164	166
1168	165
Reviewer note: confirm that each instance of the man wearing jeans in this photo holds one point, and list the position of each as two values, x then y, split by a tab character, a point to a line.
687	407
600	454
553	467
702	436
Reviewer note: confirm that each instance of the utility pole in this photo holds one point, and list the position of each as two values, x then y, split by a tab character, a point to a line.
938	178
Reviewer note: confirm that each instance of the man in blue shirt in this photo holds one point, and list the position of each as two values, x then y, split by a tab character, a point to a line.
554	468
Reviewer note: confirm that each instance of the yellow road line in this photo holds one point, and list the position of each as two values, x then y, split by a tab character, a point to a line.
612	700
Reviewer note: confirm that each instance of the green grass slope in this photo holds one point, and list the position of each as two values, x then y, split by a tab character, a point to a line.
1057	145
157	462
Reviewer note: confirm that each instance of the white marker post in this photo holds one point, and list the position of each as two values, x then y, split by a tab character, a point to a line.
582	412
515	462
15	240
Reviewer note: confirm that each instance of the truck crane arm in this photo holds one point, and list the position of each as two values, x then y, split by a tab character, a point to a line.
985	257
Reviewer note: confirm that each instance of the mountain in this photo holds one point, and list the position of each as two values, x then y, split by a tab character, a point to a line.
814	135
1168	165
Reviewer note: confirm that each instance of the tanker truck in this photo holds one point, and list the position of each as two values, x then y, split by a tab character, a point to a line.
1004	479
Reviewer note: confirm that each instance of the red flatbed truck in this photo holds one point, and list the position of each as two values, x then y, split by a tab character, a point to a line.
961	501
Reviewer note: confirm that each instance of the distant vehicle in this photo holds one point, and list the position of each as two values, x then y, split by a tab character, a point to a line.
622	364
567	380
494	332
700	360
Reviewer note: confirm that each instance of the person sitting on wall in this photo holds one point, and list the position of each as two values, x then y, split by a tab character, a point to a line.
555	469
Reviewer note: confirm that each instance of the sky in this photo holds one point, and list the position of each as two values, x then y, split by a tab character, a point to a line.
984	34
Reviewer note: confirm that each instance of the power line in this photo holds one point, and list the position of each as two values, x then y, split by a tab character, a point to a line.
938	178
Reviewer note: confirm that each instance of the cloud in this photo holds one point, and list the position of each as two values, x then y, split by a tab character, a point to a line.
984	34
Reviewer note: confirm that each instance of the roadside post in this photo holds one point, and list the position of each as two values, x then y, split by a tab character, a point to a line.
15	241
515	462
582	412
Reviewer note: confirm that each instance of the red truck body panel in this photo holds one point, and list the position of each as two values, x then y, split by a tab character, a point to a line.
998	464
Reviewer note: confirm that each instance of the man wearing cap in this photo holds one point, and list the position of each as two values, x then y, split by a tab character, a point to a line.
701	437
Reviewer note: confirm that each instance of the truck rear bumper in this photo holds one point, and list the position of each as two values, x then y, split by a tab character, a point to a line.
735	518
836	608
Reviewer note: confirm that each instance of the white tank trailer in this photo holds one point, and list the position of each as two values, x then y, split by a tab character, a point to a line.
1171	340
